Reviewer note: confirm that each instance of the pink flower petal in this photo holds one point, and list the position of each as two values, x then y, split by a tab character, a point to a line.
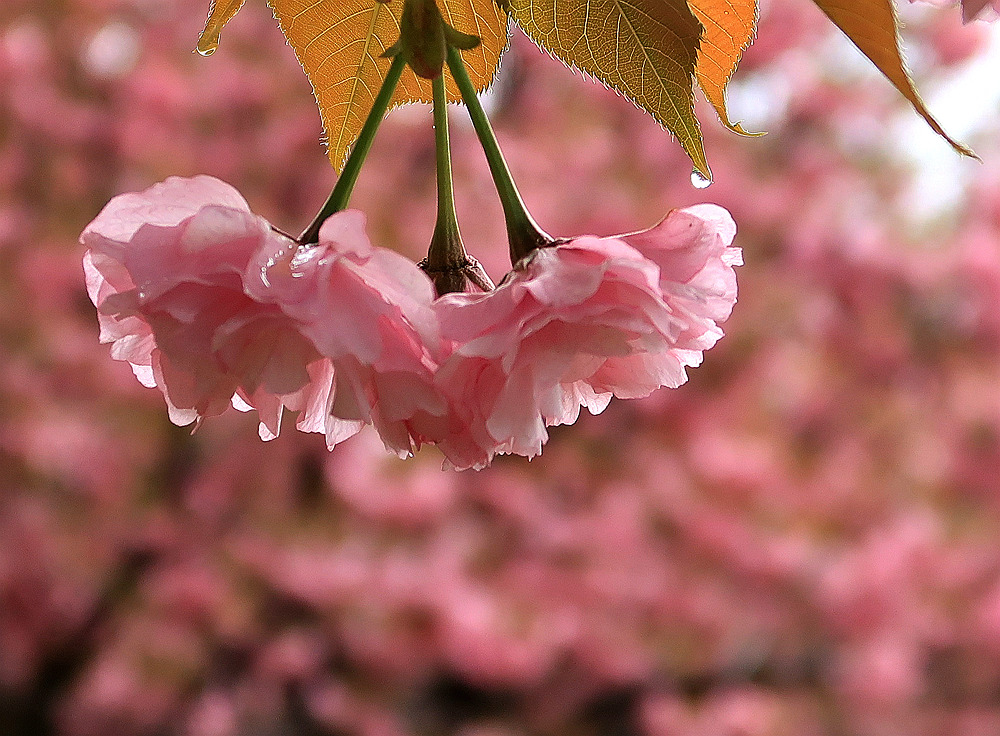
368	310
164	268
578	323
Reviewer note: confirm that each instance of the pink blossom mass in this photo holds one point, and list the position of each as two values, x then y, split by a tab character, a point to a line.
693	249
215	307
367	310
582	321
165	269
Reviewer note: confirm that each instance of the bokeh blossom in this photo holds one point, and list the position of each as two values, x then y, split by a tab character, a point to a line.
974	8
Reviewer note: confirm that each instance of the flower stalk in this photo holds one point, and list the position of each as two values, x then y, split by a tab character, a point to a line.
342	190
523	233
447	262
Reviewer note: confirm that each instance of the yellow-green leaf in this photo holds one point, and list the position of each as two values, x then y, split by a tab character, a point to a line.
645	49
730	26
873	27
340	42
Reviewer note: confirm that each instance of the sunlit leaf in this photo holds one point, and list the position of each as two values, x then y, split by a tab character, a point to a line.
873	27
730	26
340	42
645	49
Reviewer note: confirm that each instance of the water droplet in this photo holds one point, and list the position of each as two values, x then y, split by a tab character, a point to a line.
699	181
220	14
207	46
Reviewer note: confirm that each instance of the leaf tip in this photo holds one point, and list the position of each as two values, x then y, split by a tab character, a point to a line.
740	130
964	150
220	13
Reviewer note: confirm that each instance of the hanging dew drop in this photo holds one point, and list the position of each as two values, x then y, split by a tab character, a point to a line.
219	14
698	181
208	42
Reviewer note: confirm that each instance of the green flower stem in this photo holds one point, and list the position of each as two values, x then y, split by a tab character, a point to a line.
446	216
341	193
523	232
446	257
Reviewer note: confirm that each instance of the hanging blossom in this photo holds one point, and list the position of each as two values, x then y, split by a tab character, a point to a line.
577	323
176	273
165	269
368	311
211	305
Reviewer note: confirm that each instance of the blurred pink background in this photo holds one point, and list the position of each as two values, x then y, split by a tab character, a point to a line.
803	540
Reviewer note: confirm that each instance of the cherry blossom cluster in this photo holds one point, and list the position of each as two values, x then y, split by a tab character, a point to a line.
215	307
